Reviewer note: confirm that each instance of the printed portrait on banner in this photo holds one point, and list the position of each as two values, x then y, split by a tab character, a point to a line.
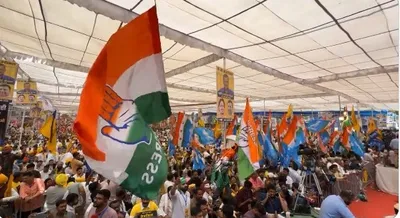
225	94
8	73
26	92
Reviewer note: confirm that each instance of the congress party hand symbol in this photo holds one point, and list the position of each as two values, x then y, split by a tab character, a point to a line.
120	114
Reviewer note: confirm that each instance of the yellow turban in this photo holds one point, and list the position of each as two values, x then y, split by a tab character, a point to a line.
62	180
7	148
3	179
68	160
39	150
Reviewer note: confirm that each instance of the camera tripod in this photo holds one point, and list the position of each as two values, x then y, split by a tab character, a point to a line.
307	177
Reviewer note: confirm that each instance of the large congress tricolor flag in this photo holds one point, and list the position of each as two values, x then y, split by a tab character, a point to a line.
124	92
248	152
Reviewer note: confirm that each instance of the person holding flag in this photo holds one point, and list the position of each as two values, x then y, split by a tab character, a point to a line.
219	175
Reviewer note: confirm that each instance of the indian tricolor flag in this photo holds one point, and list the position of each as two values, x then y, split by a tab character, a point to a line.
248	152
124	92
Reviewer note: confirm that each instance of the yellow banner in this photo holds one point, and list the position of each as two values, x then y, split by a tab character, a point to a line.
225	94
26	92
8	73
36	110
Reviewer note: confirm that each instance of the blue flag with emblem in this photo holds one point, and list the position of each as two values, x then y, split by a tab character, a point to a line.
356	146
198	161
171	148
316	125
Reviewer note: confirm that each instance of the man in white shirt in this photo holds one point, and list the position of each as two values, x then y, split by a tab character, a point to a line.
72	201
294	175
166	203
169	182
339	163
289	180
394	144
207	193
44	174
180	201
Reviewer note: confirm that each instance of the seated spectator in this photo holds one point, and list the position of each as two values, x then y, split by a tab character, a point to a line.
256	181
272	203
337	205
257	211
244	197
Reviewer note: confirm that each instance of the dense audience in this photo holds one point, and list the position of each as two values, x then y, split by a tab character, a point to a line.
36	183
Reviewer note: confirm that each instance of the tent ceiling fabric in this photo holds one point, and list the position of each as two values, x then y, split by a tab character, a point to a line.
301	52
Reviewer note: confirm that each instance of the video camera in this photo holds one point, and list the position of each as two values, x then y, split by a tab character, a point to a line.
309	157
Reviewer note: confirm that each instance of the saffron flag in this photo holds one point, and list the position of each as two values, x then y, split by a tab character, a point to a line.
345	137
178	131
183	130
49	130
290	142
231	130
334	139
354	121
217	130
268	125
248	152
374	136
302	132
125	91
321	144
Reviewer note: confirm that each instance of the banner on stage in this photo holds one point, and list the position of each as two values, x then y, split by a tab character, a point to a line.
225	94
3	119
8	73
26	92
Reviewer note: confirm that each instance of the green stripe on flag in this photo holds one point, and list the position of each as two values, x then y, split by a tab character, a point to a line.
245	168
154	107
148	167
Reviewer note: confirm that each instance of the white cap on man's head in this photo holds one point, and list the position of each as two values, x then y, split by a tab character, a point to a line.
231	137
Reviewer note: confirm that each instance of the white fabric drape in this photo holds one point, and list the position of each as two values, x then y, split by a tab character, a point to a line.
387	179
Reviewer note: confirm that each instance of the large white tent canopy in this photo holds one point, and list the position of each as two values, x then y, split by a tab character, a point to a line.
306	52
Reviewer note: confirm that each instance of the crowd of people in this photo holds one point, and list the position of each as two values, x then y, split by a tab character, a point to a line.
37	183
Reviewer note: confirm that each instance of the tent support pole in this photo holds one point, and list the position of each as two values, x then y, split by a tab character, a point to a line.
340	112
224	121
359	115
22	126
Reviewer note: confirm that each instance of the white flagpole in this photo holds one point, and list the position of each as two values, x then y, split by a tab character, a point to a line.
340	113
22	126
262	120
223	141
